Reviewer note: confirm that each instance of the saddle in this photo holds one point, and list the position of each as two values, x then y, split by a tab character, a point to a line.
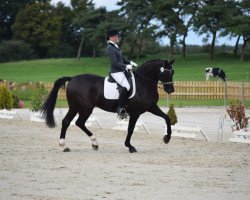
113	89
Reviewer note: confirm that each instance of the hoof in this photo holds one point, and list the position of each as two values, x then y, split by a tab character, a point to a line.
166	139
132	150
66	149
95	147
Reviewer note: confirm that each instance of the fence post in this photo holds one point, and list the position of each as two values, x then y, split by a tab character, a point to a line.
168	97
242	92
225	94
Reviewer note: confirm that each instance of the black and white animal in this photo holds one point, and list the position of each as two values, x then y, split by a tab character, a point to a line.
215	72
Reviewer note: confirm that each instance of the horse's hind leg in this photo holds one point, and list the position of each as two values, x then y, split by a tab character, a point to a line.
132	121
65	124
83	117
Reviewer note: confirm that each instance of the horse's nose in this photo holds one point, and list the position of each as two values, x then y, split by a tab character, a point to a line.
169	89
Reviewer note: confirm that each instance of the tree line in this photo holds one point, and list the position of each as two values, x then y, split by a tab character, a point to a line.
36	27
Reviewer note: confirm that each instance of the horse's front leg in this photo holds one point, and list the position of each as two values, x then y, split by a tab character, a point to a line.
132	121
157	111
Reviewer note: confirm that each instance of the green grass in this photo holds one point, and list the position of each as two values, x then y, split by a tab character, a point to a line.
189	68
48	70
192	68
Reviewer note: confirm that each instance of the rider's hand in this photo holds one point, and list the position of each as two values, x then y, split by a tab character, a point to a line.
133	64
129	67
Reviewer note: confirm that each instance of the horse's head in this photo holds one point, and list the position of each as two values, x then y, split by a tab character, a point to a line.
166	76
158	70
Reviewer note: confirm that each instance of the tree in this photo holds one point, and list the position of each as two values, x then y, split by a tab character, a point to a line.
188	11
38	25
90	23
138	15
80	5
234	11
210	19
69	37
239	25
85	25
94	28
8	12
168	12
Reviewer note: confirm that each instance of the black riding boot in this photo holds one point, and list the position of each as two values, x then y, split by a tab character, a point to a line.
121	103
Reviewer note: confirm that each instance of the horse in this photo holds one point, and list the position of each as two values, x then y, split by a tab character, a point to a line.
86	91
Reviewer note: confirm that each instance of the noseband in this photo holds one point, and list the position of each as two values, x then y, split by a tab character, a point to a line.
162	69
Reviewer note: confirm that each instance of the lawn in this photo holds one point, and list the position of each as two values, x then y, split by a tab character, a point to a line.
189	68
48	70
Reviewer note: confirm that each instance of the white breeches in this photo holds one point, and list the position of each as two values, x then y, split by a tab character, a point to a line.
121	79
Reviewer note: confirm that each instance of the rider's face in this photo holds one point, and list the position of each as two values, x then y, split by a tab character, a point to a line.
115	38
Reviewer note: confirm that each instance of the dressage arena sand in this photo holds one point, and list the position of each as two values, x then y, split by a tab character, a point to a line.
33	166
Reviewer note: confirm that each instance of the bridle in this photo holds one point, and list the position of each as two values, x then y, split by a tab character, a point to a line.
162	69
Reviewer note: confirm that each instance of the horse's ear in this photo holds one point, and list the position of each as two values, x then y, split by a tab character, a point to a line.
172	61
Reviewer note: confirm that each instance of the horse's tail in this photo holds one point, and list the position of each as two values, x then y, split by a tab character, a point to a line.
48	106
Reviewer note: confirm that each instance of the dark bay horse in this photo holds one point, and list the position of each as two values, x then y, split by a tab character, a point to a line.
84	92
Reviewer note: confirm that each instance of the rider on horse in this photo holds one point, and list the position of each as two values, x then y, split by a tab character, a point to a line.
119	65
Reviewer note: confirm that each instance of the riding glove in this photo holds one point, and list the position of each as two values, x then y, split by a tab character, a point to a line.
129	67
133	64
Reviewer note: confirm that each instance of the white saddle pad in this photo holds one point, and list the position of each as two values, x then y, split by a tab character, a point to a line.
111	91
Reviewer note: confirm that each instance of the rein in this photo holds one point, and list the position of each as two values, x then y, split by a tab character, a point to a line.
153	82
162	69
149	79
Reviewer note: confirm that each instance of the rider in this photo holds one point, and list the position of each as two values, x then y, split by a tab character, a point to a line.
118	66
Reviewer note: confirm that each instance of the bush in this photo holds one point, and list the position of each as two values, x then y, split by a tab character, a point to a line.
6	101
172	115
38	97
16	100
237	113
24	90
25	94
14	50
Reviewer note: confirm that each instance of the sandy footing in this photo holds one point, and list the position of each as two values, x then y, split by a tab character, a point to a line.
33	166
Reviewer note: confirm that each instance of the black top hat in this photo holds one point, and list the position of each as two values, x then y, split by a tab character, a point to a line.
111	33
